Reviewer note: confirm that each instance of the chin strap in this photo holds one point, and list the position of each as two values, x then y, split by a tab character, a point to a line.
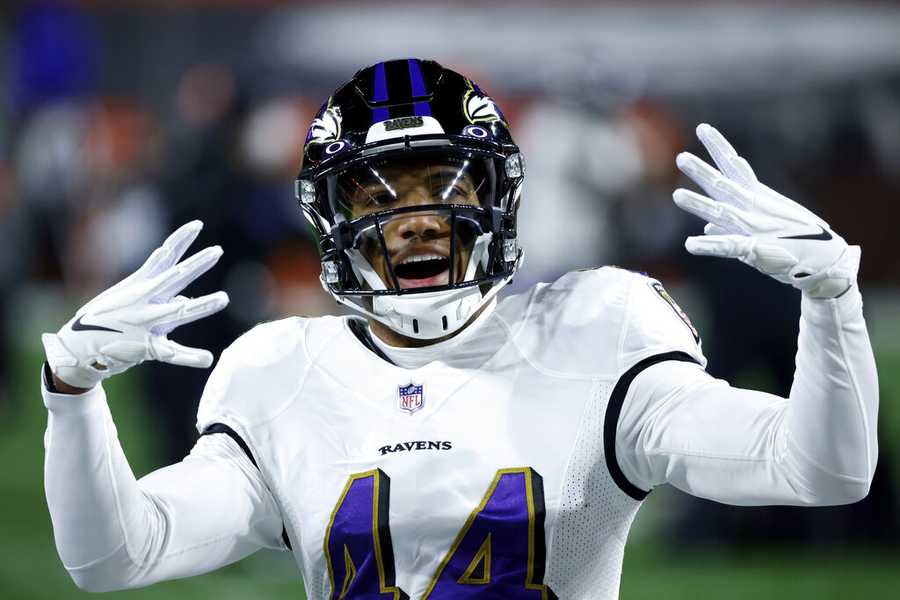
429	328
427	315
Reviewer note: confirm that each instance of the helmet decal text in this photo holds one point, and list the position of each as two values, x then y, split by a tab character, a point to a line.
403	123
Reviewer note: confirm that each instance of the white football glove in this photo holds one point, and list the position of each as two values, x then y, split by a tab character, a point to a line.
755	224
128	323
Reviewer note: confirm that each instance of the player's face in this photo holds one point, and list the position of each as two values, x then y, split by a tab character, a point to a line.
419	243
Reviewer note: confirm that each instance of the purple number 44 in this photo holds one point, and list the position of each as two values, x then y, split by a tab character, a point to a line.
499	552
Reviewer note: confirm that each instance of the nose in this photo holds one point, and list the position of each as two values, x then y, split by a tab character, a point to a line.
422	226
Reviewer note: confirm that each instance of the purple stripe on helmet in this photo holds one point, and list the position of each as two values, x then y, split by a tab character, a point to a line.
418	88
416	80
380	95
380	114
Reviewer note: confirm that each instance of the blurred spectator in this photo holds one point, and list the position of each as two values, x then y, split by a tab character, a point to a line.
604	178
231	168
576	161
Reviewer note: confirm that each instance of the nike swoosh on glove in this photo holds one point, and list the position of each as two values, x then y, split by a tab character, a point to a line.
752	222
128	323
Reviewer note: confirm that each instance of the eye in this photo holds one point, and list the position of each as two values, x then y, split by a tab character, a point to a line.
456	193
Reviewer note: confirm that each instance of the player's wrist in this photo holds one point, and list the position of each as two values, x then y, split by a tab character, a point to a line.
61	387
56	385
836	280
66	368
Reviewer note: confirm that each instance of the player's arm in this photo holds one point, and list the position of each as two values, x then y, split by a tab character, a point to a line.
681	426
114	532
818	446
111	530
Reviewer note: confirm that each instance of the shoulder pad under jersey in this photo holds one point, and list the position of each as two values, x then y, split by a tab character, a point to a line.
255	375
597	323
656	325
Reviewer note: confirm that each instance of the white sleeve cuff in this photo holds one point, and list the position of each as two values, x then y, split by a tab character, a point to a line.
845	307
72	404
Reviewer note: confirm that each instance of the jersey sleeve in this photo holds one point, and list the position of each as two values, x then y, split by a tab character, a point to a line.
655	329
113	531
678	425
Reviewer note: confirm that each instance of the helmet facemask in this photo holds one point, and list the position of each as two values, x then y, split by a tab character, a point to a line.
411	180
421	240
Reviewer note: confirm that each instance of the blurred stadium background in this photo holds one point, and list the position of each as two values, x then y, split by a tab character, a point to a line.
121	120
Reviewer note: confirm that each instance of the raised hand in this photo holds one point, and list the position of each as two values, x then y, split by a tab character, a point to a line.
128	323
750	221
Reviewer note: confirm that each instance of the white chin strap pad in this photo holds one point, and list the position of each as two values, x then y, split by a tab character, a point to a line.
428	315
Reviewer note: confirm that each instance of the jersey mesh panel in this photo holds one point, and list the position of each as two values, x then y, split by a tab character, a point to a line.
319	588
585	559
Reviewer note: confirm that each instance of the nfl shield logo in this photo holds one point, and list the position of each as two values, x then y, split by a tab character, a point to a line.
411	397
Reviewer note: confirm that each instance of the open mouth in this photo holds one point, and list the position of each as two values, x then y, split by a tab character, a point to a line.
423	270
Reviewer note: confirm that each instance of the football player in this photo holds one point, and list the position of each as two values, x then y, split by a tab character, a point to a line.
444	443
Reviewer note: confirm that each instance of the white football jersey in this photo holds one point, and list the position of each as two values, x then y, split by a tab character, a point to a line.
489	473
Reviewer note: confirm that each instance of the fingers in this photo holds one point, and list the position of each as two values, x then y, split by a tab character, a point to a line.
741	171
771	259
698	171
176	278
724	215
187	310
725	156
164	318
713	182
165	350
126	351
715	143
161	349
159	260
735	194
725	246
736	183
713	229
171	250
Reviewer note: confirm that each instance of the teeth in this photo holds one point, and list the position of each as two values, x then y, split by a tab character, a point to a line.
421	258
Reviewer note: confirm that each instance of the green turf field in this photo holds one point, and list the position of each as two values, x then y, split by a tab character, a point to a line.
30	569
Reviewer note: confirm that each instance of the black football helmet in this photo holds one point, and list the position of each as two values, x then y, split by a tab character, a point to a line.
412	181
